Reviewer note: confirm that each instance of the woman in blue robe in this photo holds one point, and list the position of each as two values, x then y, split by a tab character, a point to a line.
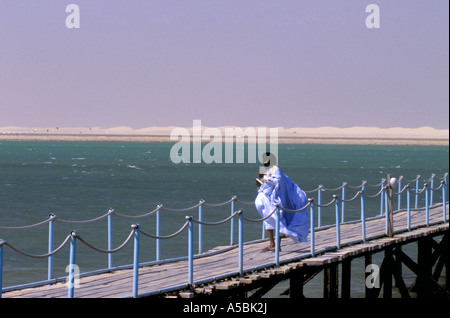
278	188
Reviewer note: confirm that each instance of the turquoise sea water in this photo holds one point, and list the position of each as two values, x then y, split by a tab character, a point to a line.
82	180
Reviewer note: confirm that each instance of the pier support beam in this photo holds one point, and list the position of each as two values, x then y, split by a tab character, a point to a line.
426	285
440	255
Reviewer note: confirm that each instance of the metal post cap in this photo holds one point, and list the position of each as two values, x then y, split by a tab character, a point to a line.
393	182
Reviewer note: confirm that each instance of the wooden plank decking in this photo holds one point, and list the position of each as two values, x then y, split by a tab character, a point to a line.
158	277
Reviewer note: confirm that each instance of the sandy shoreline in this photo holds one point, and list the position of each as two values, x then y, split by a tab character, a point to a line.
425	136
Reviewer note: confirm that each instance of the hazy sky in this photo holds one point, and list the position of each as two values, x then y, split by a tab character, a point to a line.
245	63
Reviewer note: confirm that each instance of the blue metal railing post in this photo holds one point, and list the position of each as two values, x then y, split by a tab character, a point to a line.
408	206
319	208
71	278
446	185
381	196
427	207
263	231
444	206
431	188
399	197
200	227
343	203
417	192
363	216
277	237
311	218
241	242
190	251
158	232
110	237
386	214
136	260
50	246
390	204
338	224
232	221
1	266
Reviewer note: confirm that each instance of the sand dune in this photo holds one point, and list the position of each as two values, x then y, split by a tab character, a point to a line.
322	135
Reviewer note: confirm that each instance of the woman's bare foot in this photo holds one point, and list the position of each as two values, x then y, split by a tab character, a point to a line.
269	248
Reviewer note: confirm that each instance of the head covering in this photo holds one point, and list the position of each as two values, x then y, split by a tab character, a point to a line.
269	159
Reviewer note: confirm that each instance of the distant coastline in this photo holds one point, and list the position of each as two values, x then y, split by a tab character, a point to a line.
425	136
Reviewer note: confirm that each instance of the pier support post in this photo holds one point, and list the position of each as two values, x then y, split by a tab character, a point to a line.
386	271
425	267
330	281
1	266
346	278
398	269
447	265
296	282
445	255
399	282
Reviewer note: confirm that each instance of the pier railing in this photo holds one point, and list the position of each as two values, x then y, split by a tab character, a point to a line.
339	204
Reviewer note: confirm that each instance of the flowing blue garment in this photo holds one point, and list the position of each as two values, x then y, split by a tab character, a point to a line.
279	189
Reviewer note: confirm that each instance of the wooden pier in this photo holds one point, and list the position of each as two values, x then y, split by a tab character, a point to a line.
216	274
